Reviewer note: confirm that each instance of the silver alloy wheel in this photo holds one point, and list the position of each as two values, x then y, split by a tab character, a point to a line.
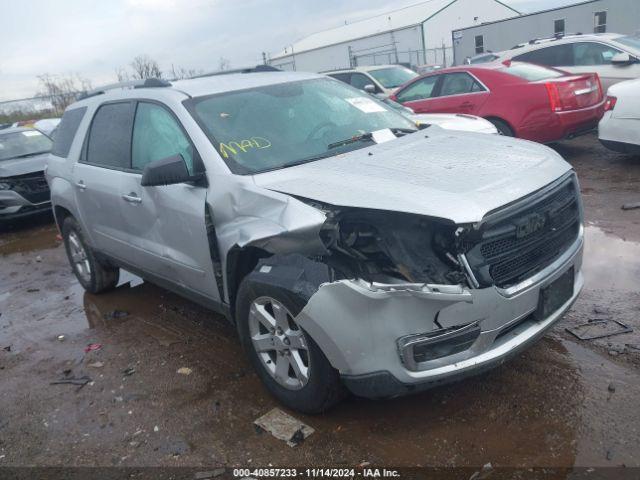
279	342
79	258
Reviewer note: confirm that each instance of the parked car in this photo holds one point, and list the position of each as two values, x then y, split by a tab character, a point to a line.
448	121
47	125
522	100
348	248
620	127
379	79
487	57
23	188
612	56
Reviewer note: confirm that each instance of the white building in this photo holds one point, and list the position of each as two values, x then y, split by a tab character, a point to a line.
416	35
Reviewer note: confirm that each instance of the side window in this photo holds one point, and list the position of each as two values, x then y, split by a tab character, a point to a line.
458	84
109	141
558	56
419	90
158	135
66	131
358	80
591	53
343	77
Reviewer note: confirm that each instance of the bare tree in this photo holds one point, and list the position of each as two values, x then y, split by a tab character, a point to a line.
122	74
180	73
144	67
223	64
61	90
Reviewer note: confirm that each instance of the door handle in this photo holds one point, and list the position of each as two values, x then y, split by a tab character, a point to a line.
81	185
132	198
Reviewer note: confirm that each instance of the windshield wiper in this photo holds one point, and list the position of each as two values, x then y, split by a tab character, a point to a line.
24	155
365	137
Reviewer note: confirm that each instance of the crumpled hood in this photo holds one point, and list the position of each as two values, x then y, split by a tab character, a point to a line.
21	166
454	175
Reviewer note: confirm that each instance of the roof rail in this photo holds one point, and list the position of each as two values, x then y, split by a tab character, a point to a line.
256	69
146	83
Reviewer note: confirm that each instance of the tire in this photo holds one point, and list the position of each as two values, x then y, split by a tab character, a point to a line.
94	276
503	127
322	388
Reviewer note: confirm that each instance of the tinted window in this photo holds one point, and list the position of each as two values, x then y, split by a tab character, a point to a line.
418	90
359	80
157	135
558	56
558	26
109	142
343	77
66	131
459	84
530	72
591	53
479	44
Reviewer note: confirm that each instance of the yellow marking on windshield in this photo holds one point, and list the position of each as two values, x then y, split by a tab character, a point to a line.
234	147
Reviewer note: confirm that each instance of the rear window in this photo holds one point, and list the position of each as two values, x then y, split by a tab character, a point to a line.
531	73
66	131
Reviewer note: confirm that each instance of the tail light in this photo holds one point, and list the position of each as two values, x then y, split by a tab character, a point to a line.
610	104
574	93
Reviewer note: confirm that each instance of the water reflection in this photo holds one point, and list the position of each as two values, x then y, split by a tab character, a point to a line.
610	262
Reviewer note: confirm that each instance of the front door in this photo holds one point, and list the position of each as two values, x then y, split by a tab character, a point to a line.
166	224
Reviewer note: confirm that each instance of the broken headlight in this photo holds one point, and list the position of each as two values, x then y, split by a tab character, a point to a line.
388	247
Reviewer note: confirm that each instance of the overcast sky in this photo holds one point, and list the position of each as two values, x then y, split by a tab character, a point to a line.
92	38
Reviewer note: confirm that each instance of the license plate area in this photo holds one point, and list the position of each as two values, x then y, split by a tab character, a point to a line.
555	295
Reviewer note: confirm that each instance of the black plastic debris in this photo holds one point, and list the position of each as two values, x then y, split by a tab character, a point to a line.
599	328
631	206
116	315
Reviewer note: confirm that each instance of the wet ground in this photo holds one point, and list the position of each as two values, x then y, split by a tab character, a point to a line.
563	403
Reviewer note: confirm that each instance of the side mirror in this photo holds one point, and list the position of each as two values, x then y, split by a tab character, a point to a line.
167	171
370	88
622	59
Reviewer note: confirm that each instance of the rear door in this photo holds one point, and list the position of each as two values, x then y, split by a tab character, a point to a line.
166	227
459	92
419	94
99	176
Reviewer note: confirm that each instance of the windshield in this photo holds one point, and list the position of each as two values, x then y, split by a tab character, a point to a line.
23	144
530	72
633	42
393	77
271	127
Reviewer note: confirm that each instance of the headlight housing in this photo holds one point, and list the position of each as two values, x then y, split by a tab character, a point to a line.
391	247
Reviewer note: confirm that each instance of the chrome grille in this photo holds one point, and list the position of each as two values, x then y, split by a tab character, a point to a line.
526	238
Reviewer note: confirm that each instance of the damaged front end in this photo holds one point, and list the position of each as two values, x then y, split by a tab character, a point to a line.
392	248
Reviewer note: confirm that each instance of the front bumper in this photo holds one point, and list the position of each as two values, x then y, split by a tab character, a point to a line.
13	205
358	326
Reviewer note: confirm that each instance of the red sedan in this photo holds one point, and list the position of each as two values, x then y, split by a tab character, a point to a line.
521	99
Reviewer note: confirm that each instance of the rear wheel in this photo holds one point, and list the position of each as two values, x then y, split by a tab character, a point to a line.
502	126
94	276
286	358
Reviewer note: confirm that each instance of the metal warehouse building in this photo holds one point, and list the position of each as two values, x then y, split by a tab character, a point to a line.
416	35
595	16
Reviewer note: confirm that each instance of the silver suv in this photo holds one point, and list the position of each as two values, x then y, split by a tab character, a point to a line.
348	248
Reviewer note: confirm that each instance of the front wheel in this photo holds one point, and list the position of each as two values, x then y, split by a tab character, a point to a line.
286	358
94	276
